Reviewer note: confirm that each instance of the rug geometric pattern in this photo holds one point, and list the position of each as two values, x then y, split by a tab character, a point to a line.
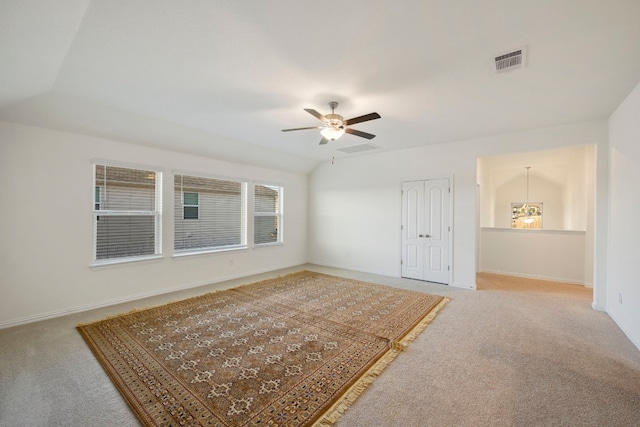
290	351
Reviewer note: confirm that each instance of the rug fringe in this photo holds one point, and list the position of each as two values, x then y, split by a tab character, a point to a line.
330	417
396	345
338	409
413	334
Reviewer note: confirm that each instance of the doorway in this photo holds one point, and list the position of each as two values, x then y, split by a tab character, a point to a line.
561	250
425	229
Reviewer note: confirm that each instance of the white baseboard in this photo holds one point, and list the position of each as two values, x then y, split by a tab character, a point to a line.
533	276
352	268
383	273
599	307
130	298
625	329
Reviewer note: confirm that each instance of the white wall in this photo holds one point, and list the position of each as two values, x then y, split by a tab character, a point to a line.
557	255
543	190
46	226
589	236
623	289
576	193
559	178
487	202
354	206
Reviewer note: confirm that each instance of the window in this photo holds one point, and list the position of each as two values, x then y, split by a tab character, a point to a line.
189	205
126	210
526	215
267	225
209	214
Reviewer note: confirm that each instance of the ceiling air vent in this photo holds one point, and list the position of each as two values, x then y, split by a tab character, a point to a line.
358	148
510	60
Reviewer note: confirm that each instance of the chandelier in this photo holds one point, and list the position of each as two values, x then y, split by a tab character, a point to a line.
527	213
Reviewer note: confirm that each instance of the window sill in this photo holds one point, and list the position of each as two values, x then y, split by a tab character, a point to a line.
124	261
183	254
268	245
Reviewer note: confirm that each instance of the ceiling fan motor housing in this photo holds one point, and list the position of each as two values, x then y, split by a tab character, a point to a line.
334	120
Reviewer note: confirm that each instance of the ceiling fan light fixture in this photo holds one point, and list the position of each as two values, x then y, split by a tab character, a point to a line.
332	133
334	125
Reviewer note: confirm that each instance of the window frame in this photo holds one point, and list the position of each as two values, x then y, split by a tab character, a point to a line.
243	213
97	214
278	214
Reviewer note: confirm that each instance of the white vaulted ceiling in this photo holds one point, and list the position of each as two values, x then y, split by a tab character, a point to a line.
222	78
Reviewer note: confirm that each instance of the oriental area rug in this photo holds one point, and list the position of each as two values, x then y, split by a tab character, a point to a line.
296	350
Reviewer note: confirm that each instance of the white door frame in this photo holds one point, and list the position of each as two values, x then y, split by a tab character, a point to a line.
451	222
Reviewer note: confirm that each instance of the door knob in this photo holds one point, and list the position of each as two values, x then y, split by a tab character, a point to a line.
425	235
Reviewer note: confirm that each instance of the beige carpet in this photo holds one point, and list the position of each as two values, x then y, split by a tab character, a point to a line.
515	356
290	351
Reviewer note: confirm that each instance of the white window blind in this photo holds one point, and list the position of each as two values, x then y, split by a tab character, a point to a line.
218	221
267	211
126	210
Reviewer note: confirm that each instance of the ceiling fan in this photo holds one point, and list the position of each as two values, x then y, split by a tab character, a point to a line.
334	126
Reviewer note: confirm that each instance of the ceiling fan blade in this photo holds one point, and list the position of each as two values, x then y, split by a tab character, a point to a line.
359	133
315	114
323	141
312	127
365	118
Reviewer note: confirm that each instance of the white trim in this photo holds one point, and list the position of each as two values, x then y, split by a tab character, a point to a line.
159	209
532	230
360	270
452	228
267	245
203	251
94	252
267	183
127	165
450	178
245	209
115	301
626	330
128	260
533	276
207	175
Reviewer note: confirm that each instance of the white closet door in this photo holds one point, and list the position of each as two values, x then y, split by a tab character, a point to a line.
425	230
